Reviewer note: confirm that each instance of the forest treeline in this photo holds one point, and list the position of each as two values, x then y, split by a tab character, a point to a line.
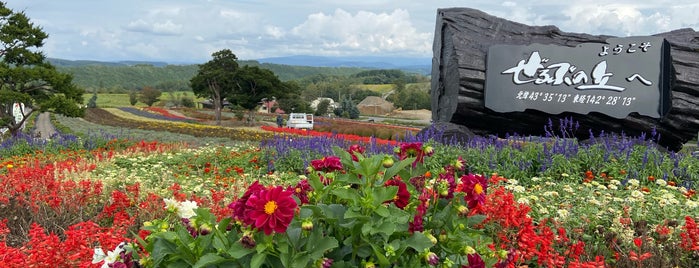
119	77
406	90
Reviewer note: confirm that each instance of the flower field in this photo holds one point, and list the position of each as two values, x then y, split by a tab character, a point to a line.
278	198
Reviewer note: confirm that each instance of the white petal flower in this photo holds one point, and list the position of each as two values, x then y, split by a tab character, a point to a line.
186	209
171	204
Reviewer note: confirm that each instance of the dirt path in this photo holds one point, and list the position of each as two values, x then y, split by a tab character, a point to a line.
44	128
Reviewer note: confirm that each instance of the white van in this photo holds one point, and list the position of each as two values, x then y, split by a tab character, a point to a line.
300	121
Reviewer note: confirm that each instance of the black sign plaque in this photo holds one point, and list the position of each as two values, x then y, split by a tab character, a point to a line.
622	76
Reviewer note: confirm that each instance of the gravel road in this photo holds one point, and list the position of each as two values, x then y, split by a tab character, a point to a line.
44	128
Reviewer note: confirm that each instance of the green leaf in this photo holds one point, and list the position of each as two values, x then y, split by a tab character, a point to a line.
258	260
380	255
397	167
333	211
475	219
369	167
161	249
382	211
346	194
301	260
385	227
355	212
238	251
294	235
419	242
322	245
383	194
208	259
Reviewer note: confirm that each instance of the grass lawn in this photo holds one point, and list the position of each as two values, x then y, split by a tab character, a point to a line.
113	100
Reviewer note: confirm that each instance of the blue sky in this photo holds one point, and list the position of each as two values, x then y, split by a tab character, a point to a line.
189	31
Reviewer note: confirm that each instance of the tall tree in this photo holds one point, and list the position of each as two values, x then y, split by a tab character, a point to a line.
149	96
27	77
215	79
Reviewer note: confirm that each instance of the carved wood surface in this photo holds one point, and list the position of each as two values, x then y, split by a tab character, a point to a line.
462	39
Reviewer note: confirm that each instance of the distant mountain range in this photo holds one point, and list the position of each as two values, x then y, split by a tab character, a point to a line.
362	62
417	65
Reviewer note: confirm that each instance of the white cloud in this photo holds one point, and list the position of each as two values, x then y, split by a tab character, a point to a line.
365	31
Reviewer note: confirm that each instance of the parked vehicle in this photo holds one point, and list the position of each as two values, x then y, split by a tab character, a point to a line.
300	121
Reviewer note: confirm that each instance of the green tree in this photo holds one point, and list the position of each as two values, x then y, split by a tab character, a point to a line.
216	79
92	103
133	97
254	84
27	77
347	109
322	108
149	96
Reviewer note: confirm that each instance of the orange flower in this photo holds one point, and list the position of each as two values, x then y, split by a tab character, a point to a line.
671	183
651	178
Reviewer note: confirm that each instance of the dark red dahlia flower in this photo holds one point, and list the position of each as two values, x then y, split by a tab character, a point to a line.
402	198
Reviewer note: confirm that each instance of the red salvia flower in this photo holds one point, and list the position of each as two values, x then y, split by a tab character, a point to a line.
690	235
271	210
402	198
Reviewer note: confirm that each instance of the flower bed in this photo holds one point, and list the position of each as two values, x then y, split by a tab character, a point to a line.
292	202
155	113
104	117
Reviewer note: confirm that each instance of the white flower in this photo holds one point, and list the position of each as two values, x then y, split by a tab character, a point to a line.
612	187
562	213
637	194
171	204
111	257
523	200
568	189
691	204
550	193
633	182
186	209
518	189
615	182
535	179
661	182
183	209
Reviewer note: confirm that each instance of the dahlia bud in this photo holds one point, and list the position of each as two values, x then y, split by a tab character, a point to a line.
468	250
309	170
428	150
307	225
432	259
325	263
396	150
369	264
432	238
205	229
443	236
463	210
247	240
387	162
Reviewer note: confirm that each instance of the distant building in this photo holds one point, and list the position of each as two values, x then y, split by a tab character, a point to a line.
333	105
270	107
374	105
209	104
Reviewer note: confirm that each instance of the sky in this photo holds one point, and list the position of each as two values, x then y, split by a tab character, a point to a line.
189	31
